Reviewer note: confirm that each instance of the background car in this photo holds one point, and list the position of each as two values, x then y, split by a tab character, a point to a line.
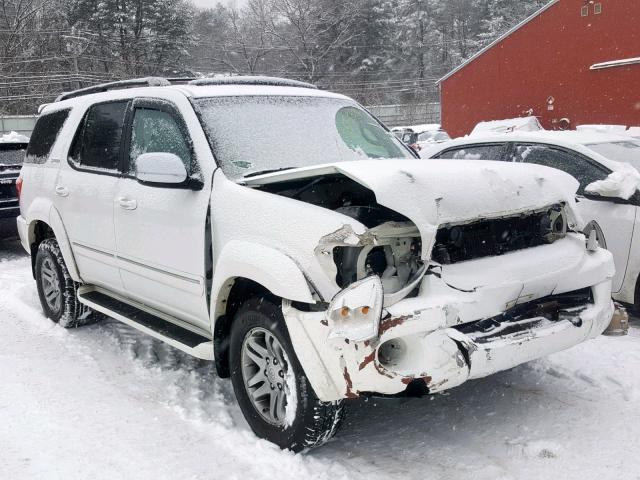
421	136
12	150
589	157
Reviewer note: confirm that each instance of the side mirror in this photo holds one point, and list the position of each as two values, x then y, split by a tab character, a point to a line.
160	169
619	186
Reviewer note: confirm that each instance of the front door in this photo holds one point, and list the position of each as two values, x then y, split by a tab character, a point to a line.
160	232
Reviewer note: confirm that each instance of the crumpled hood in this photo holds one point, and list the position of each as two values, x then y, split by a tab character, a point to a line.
435	192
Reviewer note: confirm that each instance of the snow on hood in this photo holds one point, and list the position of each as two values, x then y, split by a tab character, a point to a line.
438	192
622	183
14	137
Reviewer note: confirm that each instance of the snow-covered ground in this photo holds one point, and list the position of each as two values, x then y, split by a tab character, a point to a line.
105	402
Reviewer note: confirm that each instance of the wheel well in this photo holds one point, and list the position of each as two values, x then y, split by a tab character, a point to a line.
41	231
242	290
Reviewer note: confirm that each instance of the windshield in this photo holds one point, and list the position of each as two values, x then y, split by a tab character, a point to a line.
627	151
252	134
12	153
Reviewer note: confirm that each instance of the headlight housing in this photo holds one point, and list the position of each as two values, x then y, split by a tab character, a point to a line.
355	312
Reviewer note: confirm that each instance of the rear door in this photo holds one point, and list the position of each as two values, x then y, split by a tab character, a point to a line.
160	231
616	220
85	190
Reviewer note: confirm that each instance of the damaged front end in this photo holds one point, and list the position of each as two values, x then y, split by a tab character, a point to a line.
436	289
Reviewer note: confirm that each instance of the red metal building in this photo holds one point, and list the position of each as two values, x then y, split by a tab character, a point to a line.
575	60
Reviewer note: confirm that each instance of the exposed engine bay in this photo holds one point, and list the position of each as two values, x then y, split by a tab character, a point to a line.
491	237
393	247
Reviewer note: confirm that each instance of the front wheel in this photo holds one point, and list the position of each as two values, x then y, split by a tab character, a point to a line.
272	390
56	288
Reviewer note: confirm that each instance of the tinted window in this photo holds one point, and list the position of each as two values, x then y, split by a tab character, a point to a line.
97	143
157	131
12	153
44	136
474	152
575	165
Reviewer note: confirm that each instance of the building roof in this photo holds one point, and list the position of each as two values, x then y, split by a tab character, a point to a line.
498	40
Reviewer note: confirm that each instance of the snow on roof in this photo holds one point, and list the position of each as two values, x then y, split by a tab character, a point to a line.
615	63
602	128
524	124
498	40
14	137
634	132
199	91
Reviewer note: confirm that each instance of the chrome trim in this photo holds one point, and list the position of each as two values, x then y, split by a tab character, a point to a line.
139	264
95	250
158	270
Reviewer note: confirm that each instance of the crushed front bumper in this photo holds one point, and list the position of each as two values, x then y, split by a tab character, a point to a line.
430	341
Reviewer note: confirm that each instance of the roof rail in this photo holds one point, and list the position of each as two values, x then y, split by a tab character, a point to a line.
252	80
121	84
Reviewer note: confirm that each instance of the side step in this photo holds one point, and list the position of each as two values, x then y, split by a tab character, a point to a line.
141	318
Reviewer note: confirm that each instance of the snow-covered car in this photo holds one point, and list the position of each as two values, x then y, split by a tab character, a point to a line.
12	150
330	263
606	166
421	136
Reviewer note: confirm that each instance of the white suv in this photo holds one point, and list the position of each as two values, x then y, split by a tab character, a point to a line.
284	233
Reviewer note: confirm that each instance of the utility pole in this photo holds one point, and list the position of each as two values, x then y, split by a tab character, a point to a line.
76	46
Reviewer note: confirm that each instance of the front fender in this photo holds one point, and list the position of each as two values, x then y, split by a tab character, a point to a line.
267	266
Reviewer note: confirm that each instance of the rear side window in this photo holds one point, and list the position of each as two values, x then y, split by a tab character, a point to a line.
474	152
97	142
44	136
575	165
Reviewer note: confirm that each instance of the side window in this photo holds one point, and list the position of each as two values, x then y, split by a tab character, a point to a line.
157	131
44	136
575	165
97	142
474	152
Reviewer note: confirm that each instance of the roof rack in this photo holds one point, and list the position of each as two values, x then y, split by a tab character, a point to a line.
165	82
121	84
252	80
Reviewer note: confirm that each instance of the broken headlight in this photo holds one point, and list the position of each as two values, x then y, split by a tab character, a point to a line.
354	313
393	255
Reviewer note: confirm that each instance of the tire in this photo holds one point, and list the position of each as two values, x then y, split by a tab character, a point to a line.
311	422
56	289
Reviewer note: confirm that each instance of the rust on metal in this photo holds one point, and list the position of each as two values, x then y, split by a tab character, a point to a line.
347	378
367	360
392	322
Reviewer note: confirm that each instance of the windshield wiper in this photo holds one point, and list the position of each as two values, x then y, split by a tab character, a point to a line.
264	172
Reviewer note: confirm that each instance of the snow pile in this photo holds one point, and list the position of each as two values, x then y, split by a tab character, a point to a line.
622	183
602	128
106	402
14	137
522	124
634	132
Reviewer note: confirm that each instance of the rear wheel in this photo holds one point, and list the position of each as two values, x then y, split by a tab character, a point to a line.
56	288
272	390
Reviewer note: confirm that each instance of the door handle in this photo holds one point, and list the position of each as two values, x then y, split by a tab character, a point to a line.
127	203
62	191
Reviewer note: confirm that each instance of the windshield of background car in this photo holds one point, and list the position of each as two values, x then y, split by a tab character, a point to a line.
12	153
251	134
434	136
627	151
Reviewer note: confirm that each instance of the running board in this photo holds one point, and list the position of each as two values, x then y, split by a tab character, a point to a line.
140	317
